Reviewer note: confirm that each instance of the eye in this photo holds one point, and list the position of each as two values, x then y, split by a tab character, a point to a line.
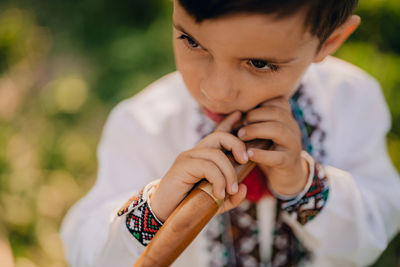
259	64
189	41
262	65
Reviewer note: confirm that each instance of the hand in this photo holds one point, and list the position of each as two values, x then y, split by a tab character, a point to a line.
283	165
205	160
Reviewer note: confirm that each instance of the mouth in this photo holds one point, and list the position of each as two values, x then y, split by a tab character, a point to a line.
215	117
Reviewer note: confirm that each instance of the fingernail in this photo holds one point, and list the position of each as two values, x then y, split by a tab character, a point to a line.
250	153
235	188
222	194
241	132
245	156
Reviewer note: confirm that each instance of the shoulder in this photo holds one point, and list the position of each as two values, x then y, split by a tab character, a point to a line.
160	120
334	77
332	65
351	105
341	88
156	105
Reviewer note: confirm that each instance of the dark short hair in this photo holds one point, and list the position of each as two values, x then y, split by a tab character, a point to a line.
322	18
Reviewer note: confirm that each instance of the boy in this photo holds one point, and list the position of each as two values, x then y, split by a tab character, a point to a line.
269	62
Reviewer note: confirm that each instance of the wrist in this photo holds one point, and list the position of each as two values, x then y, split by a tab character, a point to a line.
157	207
162	202
303	183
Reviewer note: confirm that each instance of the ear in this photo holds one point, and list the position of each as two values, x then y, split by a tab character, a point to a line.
336	39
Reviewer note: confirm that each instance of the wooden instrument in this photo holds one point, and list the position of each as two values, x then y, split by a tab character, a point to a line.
190	217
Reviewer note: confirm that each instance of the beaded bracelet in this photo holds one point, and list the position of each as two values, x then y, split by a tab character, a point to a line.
140	219
305	205
312	202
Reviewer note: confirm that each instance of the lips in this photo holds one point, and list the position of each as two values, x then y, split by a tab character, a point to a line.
216	117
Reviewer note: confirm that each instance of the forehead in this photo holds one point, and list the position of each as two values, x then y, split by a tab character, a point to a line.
254	33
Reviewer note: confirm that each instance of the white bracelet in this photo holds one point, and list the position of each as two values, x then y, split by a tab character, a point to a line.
296	197
147	191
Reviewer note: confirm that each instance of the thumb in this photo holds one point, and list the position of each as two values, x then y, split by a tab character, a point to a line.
227	124
235	200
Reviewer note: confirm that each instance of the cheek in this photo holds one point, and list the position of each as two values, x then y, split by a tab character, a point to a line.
178	55
187	68
287	82
190	66
277	85
272	86
182	59
294	78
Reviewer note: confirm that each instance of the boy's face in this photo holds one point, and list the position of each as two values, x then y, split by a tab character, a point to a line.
240	61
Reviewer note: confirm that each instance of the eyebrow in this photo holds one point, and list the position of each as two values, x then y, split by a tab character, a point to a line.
266	59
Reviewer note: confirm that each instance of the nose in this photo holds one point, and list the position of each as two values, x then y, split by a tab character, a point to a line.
218	86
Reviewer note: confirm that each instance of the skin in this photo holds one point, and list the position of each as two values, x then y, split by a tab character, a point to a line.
243	64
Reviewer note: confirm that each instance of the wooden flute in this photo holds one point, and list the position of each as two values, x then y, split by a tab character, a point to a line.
191	215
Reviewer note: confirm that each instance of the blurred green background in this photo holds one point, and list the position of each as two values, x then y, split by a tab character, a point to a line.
65	64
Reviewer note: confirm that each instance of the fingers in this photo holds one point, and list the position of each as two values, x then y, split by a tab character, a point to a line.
278	132
274	110
200	168
280	102
222	138
209	150
270	113
277	159
227	124
227	141
222	162
272	120
234	200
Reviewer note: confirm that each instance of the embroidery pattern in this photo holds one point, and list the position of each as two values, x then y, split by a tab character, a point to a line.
287	250
220	239
313	201
244	229
234	236
140	220
312	135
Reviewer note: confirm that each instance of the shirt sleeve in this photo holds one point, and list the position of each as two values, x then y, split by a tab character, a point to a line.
92	232
306	205
362	212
